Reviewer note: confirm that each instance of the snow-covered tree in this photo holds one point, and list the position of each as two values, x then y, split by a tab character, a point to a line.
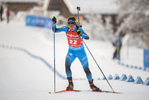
97	29
134	19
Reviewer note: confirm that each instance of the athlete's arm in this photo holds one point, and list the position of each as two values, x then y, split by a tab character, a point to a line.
61	29
84	35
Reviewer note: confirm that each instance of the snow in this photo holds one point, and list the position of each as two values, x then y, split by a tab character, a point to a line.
96	6
26	63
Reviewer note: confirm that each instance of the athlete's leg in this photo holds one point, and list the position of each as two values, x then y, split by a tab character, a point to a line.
68	61
84	61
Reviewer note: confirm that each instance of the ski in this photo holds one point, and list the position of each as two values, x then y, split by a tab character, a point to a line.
62	91
103	91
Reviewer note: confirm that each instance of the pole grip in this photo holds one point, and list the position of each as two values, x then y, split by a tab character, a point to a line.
78	8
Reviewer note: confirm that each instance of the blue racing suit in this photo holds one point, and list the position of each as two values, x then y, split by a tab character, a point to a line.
76	49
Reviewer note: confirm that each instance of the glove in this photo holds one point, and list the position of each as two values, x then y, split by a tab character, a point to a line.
54	19
79	32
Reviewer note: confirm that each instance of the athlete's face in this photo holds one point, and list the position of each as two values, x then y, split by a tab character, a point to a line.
71	27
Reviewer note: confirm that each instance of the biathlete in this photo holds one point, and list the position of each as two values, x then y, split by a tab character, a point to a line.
76	49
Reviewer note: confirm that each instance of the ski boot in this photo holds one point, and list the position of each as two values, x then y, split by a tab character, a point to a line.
70	86
93	87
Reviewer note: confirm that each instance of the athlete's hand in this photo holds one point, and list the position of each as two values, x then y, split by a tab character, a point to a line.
54	19
79	32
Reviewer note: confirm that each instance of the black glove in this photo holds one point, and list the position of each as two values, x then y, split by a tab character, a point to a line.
54	19
79	32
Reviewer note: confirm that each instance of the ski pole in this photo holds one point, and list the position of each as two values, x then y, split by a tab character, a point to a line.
54	62
78	8
54	23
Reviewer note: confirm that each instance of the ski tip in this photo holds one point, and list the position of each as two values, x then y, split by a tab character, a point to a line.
51	92
120	93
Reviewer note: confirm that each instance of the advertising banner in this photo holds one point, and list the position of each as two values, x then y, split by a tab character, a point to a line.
37	21
146	58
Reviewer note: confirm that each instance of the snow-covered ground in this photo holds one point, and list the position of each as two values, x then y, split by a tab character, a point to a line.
26	67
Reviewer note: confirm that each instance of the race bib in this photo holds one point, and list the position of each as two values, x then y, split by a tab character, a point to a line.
74	39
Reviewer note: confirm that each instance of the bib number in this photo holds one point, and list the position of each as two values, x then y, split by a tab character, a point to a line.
73	41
